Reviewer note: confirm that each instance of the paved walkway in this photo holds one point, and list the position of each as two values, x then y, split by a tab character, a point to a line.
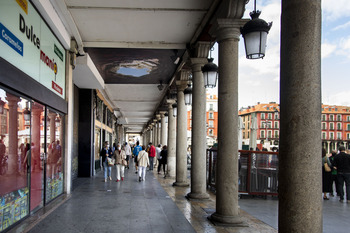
156	206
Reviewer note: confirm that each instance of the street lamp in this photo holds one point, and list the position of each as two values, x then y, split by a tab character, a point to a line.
174	109
255	33
210	73
188	95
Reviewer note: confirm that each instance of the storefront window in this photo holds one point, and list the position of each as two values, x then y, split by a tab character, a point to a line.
14	138
54	160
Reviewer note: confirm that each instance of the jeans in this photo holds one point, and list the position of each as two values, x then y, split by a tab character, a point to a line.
151	163
105	168
341	178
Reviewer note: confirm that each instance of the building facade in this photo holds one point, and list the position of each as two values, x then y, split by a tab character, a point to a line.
261	122
211	119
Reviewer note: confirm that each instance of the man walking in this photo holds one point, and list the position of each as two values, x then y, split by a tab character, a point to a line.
342	164
152	154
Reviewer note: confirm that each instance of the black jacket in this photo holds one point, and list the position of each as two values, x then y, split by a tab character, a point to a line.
342	162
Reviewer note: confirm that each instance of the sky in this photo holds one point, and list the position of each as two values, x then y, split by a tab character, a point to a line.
259	78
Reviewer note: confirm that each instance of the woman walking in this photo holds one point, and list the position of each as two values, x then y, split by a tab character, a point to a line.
120	159
106	154
143	163
163	159
326	175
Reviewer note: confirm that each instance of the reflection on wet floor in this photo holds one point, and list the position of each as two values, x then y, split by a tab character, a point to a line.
196	212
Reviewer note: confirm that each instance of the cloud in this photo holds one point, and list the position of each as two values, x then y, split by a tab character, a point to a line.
333	10
340	98
341	27
327	49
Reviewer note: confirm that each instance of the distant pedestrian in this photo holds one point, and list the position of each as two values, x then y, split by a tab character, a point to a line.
120	161
163	159
128	154
158	150
136	151
342	164
106	153
334	174
152	154
143	163
326	176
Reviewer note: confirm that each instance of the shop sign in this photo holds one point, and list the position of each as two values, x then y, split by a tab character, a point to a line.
28	43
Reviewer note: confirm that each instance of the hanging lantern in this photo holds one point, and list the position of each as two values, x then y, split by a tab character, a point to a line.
254	34
26	112
174	110
210	73
188	95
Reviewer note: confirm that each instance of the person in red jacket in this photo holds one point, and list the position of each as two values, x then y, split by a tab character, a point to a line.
151	154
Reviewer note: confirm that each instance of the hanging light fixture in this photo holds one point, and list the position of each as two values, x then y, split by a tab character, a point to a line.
210	73
174	109
188	95
26	113
166	117
254	34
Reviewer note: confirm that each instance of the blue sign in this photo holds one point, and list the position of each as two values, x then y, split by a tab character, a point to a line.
11	39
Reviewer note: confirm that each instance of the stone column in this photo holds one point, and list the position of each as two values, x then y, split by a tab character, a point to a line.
171	140
159	132
155	132
37	111
163	139
300	178
227	211
199	145
181	136
328	146
13	133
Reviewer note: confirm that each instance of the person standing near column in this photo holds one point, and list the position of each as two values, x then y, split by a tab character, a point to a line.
342	164
105	154
143	162
158	150
152	154
136	151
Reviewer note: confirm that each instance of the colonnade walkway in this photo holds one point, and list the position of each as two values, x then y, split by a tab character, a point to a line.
154	205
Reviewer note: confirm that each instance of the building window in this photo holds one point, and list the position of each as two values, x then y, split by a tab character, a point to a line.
243	134
210	132
269	116
348	127
348	136
191	123
338	135
338	126
323	117
269	124
276	125
276	134
324	135
262	134
262	116
331	135
338	117
324	125
211	115
331	117
331	126
269	134
248	125
211	124
248	134
276	115
347	118
211	107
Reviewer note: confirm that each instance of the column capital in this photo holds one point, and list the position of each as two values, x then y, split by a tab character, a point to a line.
162	113
197	63
224	29
184	74
200	49
181	85
158	117
170	102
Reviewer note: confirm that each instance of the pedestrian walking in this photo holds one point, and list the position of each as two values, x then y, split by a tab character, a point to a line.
143	163
136	151
106	154
152	155
128	154
342	164
163	159
120	161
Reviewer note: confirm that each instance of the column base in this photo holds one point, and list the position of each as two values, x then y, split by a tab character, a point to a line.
181	184
227	221
197	196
